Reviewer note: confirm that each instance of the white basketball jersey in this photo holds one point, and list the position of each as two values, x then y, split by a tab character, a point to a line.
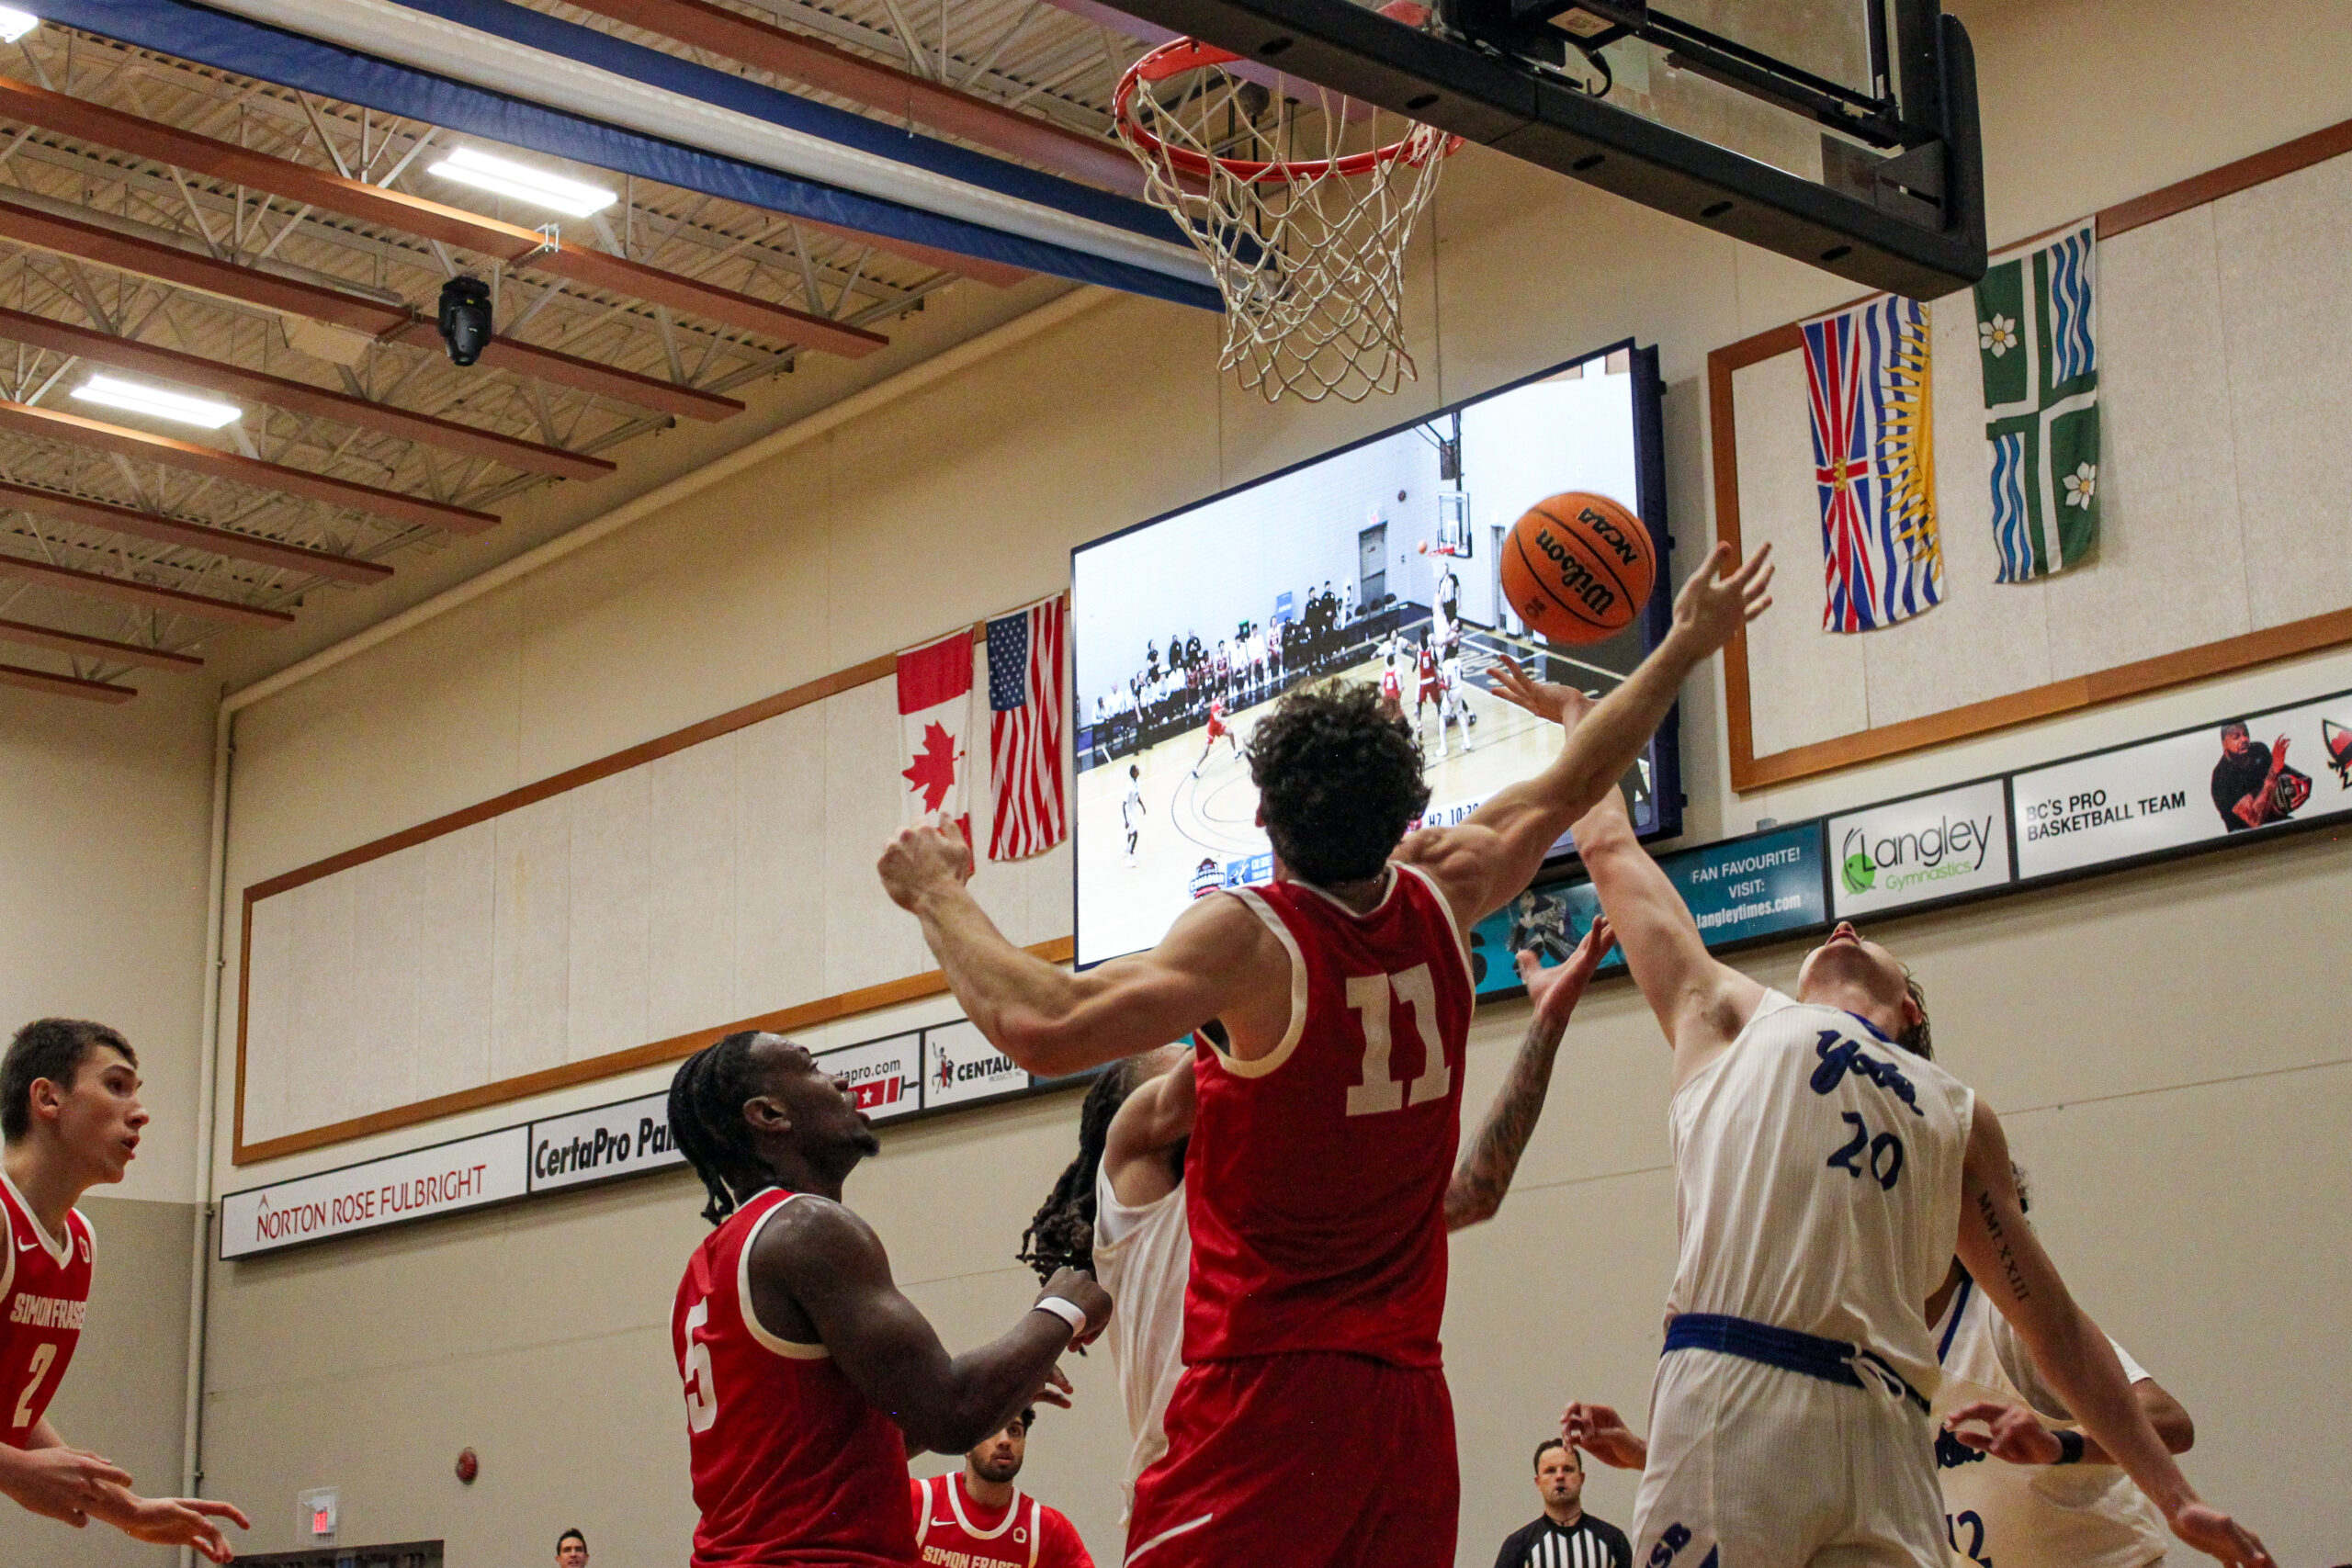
1818	1182
1143	1257
2029	1515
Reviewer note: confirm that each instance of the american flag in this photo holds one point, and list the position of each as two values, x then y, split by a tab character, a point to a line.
1025	701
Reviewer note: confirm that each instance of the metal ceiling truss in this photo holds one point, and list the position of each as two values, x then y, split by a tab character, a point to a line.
281	250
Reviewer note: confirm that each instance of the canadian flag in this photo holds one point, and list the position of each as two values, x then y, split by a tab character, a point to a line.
934	713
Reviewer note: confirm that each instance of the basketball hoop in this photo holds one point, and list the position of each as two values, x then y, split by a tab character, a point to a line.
1307	250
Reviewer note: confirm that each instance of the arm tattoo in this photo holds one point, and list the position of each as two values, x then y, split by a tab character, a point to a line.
1477	1189
2015	1275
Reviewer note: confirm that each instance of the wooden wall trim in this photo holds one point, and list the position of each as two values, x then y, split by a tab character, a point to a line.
847	1005
1750	772
816	691
825	1009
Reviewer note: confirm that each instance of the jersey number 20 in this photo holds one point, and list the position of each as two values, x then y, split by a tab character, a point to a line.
1368	997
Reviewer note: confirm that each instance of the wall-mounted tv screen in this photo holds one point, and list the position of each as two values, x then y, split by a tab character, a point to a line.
1380	561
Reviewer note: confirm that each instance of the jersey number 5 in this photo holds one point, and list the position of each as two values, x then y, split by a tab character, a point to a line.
702	1393
1368	997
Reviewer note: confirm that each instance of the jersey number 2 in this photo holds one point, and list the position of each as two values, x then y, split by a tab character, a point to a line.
1368	997
702	1391
43	1354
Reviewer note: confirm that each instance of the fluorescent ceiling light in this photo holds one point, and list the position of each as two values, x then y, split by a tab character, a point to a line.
160	401
481	170
16	24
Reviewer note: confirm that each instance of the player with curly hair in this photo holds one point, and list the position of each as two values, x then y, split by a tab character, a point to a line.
1327	1125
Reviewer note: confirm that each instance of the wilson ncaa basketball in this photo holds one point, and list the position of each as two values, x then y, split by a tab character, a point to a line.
1578	567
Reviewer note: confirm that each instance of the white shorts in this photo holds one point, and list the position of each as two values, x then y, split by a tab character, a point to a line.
1753	1466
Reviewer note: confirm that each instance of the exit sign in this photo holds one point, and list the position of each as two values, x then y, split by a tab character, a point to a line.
318	1509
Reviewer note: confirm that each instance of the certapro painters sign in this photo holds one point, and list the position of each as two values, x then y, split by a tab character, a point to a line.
1909	851
629	1138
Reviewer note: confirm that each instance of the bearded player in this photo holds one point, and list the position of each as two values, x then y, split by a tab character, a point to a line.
1117	1210
1312	1425
808	1377
69	1106
1823	1166
979	1518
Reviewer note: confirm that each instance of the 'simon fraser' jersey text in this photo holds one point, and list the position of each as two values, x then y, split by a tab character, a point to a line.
1315	1181
44	1291
953	1531
792	1465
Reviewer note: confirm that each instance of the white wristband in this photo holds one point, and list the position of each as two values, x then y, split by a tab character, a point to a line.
1069	1311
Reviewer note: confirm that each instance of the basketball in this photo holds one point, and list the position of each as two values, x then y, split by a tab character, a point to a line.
1578	567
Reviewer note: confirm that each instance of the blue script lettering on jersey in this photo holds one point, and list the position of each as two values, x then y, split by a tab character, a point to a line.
1840	1055
1951	1453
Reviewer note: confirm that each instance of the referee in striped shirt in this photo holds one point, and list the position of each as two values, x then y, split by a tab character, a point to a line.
1565	1537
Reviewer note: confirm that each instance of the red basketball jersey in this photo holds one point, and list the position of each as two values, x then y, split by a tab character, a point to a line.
792	1464
955	1531
43	1293
1314	1182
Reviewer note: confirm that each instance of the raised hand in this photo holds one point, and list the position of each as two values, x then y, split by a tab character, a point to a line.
1078	1287
920	857
1602	1433
1564	705
1717	601
1556	991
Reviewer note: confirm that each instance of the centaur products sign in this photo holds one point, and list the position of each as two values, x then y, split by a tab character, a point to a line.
1909	851
628	1138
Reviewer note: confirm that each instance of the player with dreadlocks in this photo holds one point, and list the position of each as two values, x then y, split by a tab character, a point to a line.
1118	1208
1325	1132
808	1377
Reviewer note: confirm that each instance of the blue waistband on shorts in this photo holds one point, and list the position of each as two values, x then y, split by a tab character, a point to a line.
1831	1360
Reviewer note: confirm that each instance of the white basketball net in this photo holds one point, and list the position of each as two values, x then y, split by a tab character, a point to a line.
1301	211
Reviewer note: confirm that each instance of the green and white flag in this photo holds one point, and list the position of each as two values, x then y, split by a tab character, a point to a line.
2037	334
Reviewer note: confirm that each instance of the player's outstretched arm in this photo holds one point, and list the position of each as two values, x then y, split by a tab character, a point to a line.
1484	1176
1051	1020
1699	1003
67	1484
823	1261
2076	1359
2016	1435
1149	1124
1519	824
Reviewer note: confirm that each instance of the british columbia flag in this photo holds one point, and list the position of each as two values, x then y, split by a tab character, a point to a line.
1025	699
1871	396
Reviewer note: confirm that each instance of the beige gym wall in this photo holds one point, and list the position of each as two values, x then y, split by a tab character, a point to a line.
2163	1042
103	819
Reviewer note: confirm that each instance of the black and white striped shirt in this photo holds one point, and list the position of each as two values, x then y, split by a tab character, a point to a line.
1587	1543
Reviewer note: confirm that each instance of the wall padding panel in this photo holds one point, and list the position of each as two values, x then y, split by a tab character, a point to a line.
727	880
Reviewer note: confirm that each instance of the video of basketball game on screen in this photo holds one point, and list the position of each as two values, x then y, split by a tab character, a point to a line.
1384	562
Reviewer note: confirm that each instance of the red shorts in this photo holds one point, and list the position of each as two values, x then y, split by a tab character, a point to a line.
1309	1460
1216	728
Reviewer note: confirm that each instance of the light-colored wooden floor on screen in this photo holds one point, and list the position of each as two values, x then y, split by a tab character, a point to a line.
1187	818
